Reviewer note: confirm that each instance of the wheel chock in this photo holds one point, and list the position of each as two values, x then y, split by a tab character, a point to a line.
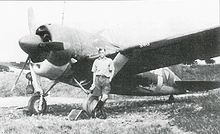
75	115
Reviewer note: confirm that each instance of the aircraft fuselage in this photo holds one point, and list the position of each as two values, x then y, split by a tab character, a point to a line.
76	59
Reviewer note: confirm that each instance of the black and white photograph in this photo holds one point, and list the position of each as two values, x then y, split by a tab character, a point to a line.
110	67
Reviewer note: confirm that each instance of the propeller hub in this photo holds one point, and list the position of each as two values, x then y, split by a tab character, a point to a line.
30	43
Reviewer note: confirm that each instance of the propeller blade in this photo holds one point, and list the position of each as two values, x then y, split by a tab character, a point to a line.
33	43
20	73
31	20
52	46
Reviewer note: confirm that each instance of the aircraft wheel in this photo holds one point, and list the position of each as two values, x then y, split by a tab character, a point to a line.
34	105
89	104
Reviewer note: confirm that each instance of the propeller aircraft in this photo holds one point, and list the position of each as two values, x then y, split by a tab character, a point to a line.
63	54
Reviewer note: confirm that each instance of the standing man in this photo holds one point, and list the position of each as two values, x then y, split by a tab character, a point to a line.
103	71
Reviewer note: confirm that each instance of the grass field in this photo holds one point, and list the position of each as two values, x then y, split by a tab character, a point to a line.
151	115
8	79
154	115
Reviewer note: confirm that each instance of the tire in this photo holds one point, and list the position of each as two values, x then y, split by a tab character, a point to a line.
33	105
89	104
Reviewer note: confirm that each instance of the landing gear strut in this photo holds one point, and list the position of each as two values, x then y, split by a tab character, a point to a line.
37	103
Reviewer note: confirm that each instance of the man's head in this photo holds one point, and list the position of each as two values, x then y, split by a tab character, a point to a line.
101	52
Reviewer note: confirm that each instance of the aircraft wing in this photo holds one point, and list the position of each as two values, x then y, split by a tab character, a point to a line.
197	85
183	49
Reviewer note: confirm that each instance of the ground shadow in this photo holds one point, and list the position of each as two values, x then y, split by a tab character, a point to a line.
115	107
140	106
62	109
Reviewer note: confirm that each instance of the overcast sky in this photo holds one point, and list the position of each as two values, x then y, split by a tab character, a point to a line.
122	22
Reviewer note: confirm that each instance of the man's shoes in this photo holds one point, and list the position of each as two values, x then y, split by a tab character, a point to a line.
100	104
99	113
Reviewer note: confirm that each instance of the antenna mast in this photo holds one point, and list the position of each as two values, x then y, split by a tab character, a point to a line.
64	2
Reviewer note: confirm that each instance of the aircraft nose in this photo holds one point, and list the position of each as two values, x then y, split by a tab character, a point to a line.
30	43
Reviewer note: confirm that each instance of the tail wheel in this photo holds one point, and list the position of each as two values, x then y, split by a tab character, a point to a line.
34	105
171	98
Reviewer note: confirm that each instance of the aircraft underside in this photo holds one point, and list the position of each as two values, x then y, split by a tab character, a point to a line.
143	84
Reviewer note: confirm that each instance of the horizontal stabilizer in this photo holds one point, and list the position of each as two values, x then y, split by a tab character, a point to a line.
197	85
